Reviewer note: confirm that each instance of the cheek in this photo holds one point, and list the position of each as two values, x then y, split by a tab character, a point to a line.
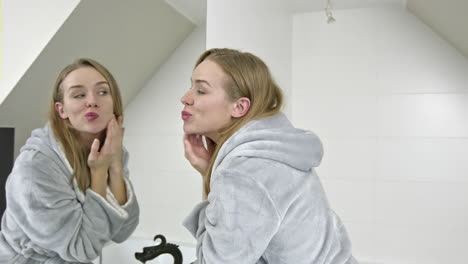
71	107
109	105
220	114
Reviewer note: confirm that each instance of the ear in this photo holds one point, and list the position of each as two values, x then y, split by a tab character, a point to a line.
241	107
59	109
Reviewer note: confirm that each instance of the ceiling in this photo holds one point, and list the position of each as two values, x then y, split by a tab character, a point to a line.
195	10
300	6
449	18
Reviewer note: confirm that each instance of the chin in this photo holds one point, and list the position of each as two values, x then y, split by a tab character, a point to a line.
94	129
187	130
192	131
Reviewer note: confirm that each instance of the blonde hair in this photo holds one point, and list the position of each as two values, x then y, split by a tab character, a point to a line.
67	136
249	77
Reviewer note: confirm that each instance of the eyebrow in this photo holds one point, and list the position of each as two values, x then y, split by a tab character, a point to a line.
81	86
102	82
202	81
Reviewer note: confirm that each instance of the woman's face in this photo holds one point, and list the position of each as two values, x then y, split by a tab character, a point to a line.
87	101
206	105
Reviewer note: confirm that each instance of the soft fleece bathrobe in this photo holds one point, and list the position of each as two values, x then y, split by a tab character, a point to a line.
48	219
266	203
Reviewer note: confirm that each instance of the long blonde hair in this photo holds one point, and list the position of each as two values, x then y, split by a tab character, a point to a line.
67	136
249	77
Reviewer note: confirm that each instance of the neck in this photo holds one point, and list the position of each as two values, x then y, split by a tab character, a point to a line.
214	137
88	138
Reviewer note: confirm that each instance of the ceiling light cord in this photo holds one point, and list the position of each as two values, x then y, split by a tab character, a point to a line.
330	18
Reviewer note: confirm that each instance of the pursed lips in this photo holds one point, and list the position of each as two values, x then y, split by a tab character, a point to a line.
186	115
91	116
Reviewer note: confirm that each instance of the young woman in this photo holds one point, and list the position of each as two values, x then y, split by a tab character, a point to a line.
69	193
264	202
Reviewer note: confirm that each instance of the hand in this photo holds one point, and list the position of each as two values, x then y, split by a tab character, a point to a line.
110	155
98	165
196	153
115	131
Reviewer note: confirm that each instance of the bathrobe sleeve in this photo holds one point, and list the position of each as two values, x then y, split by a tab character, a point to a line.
130	210
236	223
44	204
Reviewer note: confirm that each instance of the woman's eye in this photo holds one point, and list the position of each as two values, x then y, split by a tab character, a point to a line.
200	91
77	96
103	92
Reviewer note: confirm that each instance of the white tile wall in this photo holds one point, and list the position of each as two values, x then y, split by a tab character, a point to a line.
356	76
336	116
170	159
421	203
420	244
363	235
356	157
423	159
389	99
166	185
354	201
165	203
424	115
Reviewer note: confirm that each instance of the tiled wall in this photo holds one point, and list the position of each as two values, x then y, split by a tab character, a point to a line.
389	99
166	185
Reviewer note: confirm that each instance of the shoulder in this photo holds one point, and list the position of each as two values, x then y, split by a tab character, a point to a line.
257	169
247	174
34	165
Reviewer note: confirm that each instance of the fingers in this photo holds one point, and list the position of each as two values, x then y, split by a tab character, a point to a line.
115	128
187	146
114	131
195	152
195	139
93	154
109	129
191	146
109	133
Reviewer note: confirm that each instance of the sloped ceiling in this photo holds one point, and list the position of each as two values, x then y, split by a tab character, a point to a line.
195	10
449	18
131	38
300	6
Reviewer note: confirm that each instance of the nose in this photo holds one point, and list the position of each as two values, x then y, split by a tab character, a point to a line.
91	101
187	98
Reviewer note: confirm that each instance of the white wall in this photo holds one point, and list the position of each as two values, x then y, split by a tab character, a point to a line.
389	99
262	27
27	27
387	96
166	185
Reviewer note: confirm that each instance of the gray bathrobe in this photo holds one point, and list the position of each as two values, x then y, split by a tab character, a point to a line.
48	219
267	204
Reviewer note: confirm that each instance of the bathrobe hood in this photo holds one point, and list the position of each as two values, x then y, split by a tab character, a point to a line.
276	139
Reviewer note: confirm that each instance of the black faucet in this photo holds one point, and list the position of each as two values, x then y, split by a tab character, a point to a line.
153	252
